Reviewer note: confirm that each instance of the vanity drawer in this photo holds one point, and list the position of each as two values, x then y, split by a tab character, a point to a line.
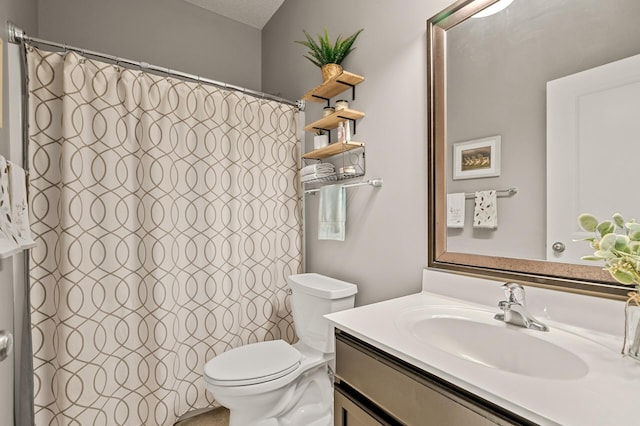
406	394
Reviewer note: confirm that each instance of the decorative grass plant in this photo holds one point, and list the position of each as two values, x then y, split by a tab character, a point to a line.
328	55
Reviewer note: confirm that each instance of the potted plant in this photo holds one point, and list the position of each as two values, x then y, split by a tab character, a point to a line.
617	244
327	55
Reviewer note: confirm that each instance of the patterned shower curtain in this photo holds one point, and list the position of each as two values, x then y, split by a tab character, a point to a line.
167	220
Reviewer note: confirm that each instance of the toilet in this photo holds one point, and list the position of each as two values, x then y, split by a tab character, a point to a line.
274	383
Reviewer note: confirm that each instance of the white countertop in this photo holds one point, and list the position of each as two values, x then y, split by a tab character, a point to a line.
609	394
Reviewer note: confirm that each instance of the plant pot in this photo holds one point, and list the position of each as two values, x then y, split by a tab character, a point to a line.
330	70
320	141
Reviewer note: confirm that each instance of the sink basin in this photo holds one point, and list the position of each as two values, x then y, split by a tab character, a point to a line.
473	335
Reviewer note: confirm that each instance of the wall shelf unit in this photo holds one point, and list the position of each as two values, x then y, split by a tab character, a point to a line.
347	157
334	87
331	121
331	150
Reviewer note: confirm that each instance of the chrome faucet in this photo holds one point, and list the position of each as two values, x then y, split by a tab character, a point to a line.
514	309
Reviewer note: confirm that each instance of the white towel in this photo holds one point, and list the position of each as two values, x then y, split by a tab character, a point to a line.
317	168
8	242
19	206
485	213
455	210
316	176
332	213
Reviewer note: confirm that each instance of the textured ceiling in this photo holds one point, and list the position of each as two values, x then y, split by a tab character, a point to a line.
255	13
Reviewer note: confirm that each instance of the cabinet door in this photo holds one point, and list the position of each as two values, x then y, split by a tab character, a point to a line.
348	413
406	394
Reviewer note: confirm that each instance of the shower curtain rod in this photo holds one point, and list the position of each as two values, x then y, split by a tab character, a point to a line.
18	36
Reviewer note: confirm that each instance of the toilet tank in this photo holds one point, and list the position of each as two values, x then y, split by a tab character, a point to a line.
312	296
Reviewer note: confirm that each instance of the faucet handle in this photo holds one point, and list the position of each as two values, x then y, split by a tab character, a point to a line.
514	293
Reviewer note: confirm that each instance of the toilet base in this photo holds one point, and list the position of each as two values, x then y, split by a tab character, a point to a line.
307	401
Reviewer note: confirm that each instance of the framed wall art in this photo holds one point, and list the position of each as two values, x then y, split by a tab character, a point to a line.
478	158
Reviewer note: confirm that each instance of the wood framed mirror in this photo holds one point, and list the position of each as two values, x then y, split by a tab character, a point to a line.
499	76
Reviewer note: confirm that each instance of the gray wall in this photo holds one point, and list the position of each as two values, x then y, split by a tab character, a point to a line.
23	12
385	247
498	68
167	33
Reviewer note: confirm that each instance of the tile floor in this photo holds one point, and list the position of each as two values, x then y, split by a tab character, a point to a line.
215	417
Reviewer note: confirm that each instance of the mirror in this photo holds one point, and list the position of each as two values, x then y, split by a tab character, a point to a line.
503	91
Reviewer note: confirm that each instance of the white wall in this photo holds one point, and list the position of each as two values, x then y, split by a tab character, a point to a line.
385	247
168	33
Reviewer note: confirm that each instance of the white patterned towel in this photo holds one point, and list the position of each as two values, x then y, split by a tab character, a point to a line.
485	213
18	184
8	243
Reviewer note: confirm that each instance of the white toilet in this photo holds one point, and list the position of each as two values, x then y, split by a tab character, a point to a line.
274	383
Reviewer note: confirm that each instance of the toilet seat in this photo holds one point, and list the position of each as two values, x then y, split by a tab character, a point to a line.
252	364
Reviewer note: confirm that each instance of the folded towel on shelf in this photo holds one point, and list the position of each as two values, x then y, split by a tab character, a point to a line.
317	168
332	213
455	210
485	213
19	206
320	171
318	176
8	242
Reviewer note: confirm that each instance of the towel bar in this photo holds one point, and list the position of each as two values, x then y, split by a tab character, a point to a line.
499	192
375	182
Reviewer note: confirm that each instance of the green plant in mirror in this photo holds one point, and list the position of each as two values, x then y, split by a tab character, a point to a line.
617	244
324	51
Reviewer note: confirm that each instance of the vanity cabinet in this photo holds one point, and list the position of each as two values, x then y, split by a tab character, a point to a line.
374	388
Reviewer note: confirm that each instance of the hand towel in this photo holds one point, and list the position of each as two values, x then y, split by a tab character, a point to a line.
332	213
455	210
8	242
485	213
19	206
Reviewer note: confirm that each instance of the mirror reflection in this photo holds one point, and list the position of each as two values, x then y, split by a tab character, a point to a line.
531	113
544	97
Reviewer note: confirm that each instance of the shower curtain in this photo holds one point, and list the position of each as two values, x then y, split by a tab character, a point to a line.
167	218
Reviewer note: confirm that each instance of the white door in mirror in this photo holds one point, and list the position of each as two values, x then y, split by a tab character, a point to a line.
592	134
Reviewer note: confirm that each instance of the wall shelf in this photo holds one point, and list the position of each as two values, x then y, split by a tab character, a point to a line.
335	178
348	158
333	87
331	121
331	150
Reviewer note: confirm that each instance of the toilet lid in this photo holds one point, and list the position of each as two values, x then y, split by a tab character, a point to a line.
253	363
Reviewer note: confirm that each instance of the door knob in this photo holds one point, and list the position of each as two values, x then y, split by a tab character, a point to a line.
558	247
6	344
